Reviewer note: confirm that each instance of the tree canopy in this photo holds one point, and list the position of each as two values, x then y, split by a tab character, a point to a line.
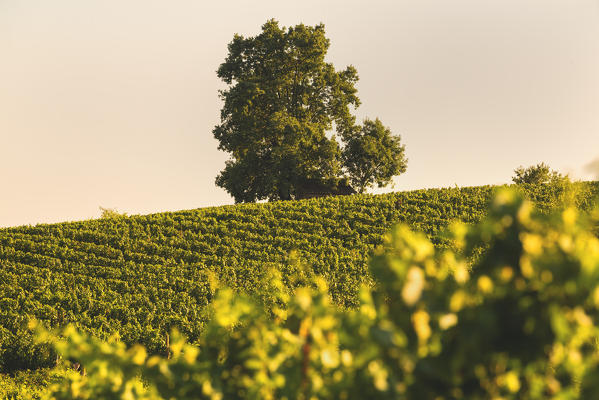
535	175
373	155
283	110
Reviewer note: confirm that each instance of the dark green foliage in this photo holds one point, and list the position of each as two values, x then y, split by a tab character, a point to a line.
282	101
18	352
536	175
140	276
372	156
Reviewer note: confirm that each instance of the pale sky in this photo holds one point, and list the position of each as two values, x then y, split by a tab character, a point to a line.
112	103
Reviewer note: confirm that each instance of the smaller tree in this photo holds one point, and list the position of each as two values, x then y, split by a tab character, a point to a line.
373	155
111	213
536	175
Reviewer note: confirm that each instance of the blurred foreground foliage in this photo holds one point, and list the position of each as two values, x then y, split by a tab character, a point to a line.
511	312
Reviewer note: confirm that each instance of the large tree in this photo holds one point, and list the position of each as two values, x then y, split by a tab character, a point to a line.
280	108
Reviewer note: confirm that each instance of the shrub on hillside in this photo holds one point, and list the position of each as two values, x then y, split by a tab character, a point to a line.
520	322
536	175
111	213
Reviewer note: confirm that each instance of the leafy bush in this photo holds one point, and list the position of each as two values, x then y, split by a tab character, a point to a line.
512	314
111	213
536	175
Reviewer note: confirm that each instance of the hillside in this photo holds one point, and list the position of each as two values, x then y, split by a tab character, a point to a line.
141	275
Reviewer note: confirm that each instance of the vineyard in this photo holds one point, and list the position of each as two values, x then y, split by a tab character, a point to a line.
140	276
